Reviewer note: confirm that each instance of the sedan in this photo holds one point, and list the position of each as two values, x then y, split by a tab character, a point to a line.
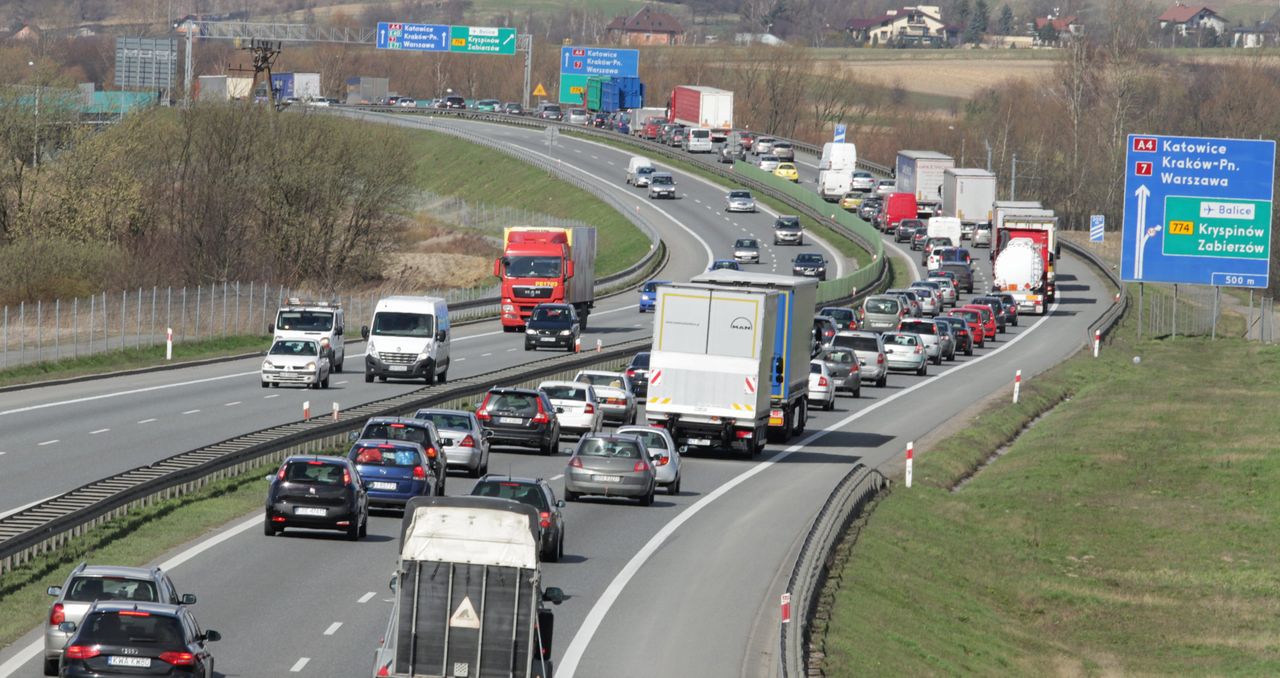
905	351
577	406
764	145
769	163
638	373
788	171
663	453
649	294
746	250
393	471
612	465
863	181
617	398
822	389
982	236
730	264
323	493
552	326
513	108
851	201
491	105
784	150
131	638
296	362
740	201
907	229
809	265
465	442
845	369
885	187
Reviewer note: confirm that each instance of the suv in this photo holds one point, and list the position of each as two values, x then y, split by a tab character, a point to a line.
537	493
809	265
787	229
89	583
323	493
413	430
141	638
321	321
550	112
454	102
553	326
522	417
638	372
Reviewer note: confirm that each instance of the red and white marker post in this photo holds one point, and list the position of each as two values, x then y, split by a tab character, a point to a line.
785	604
306	410
335	411
911	453
1097	341
577	345
168	343
1017	385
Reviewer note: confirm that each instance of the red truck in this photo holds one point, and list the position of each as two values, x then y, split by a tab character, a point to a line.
897	206
545	266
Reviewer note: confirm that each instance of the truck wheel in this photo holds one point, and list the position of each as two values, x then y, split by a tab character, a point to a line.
801	419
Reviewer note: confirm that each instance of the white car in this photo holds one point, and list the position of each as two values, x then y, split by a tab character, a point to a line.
663	454
296	362
763	145
982	235
863	181
740	201
577	406
886	186
769	163
822	388
947	288
614	391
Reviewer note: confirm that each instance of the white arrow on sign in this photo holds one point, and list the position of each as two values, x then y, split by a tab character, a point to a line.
1143	193
510	37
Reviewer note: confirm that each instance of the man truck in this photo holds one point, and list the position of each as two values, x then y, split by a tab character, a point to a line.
545	266
920	173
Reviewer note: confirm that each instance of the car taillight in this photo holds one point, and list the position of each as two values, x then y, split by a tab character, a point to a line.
178	658
467	442
482	412
346	477
822	381
81	651
544	519
660	461
631	373
828	333
575	462
431	453
541	417
640	466
918	348
589	409
419	473
384	671
57	615
880	359
280	473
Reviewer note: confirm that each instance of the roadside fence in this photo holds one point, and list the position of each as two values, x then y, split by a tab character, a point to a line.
1171	311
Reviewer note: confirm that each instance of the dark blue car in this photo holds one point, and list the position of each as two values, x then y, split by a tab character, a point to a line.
729	264
393	471
649	294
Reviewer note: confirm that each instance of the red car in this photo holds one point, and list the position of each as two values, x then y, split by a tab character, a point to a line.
974	318
989	327
747	139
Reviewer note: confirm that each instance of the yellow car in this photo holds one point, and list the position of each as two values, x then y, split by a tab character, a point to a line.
788	171
851	201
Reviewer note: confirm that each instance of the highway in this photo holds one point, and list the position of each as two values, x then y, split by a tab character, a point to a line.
687	587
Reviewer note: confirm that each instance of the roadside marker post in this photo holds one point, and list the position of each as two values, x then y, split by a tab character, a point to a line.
168	344
785	604
1097	340
911	453
577	345
306	410
1017	385
335	411
599	346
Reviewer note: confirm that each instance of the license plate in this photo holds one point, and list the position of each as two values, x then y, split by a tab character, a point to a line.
307	511
699	441
399	368
510	420
140	662
378	485
547	339
608	479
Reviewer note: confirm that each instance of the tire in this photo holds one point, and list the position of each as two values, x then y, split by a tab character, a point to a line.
368	377
325	382
337	367
353	531
830	404
647	500
444	376
674	488
51	667
924	370
570	495
364	528
938	360
527	347
882	381
560	547
857	392
268	528
969	351
802	419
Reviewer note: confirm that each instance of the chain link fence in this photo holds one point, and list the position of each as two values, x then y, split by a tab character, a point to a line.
1171	311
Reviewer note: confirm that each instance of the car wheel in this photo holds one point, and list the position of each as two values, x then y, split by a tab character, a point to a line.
528	346
969	351
857	392
830	404
560	546
570	495
364	528
647	500
882	381
325	382
353	531
924	369
269	528
938	360
51	667
337	367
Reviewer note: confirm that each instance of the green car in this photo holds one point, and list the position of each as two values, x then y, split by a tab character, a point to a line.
491	105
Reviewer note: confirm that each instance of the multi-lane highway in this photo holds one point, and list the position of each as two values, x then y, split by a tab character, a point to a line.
687	587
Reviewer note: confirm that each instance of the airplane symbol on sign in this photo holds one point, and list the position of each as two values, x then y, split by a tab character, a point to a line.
1142	169
1144	145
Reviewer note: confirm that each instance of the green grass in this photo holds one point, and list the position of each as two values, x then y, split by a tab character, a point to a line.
1131	531
136	539
127	359
451	166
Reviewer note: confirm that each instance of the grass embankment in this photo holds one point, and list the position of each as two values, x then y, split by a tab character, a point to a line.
451	166
132	358
1131	531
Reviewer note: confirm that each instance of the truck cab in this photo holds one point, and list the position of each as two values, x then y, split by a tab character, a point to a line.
320	321
545	266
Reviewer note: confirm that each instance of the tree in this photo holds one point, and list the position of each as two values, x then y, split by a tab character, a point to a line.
961	10
1048	35
981	16
1005	25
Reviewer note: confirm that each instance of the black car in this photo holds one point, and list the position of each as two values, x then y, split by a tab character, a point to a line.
454	102
998	310
845	318
537	493
552	326
809	265
601	120
512	108
550	112
918	239
1010	306
907	228
521	417
131	638
963	275
638	373
323	493
870	205
960	328
412	430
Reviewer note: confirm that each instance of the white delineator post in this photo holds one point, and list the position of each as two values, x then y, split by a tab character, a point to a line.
1097	340
335	411
599	346
306	410
168	343
1017	385
785	605
911	453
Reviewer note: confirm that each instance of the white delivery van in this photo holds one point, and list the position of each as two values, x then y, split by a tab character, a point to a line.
408	338
321	321
698	140
634	165
945	227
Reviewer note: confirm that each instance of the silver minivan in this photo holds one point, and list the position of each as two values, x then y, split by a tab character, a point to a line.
882	313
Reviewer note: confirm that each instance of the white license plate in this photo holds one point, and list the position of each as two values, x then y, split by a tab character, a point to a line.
308	511
399	368
510	420
699	441
547	339
140	662
378	485
608	479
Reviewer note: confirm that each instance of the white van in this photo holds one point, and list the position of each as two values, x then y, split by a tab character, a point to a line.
634	165
321	321
408	339
698	140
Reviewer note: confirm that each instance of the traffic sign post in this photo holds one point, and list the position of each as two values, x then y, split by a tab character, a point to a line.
482	40
839	135
600	61
1198	211
1097	227
413	37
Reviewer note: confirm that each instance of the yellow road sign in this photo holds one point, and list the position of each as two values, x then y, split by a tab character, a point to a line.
539	91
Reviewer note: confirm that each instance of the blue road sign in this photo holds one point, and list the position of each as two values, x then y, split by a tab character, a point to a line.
1097	227
839	136
1197	210
413	37
600	61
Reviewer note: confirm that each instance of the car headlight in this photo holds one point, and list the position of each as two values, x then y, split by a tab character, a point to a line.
422	355
530	331
311	366
370	350
565	333
266	365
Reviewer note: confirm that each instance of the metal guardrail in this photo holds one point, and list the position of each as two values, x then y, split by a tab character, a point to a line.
865	165
1111	317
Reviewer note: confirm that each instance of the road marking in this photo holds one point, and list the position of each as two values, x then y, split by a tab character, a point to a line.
300	664
47	442
595	157
697	201
333	628
578	646
233	403
510	350
147	421
366	597
191	411
343	382
485	355
269	397
458	360
101	430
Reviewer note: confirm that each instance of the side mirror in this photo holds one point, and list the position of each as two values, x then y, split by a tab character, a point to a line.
568	269
353	436
67	627
559	503
486	434
337	331
497	267
212	636
552	595
271	328
188	599
364	332
54	590
392	583
441	335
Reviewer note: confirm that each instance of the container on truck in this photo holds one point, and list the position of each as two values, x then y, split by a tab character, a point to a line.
792	345
212	88
366	90
545	266
1041	229
968	195
602	94
467	596
641	117
712	358
944	227
630	92
835	169
920	173
709	107
1019	271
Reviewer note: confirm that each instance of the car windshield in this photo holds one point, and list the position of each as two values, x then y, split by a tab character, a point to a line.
551	313
787	225
302	348
610	380
724	264
653	441
305	321
608	447
565	392
385	455
740	194
393	324
532	267
525	493
809	259
314	473
858	343
394	431
130	627
447	420
746	243
882	306
650	287
971	316
663	179
89	589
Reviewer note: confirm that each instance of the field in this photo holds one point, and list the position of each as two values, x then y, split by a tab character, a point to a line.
944	74
1131	531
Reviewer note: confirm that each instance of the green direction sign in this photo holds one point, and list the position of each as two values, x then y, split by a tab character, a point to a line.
573	89
482	40
1217	227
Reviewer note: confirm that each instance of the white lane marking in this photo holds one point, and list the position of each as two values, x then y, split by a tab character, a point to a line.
485	355
511	350
47	442
233	403
344	381
269	397
101	430
2	453
24	507
556	477
300	664
147	421
595	157
333	628
458	360
191	411
366	597
578	646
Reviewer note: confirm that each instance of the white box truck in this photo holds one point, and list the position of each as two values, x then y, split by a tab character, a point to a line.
711	363
968	195
944	227
709	107
920	173
835	170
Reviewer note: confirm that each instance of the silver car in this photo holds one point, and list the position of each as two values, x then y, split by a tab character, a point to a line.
764	145
822	389
982	235
845	369
934	347
863	181
740	201
578	116
869	347
746	250
905	351
89	583
662	452
769	163
886	186
784	150
643	175
296	362
930	295
617	398
947	287
787	230
465	442
882	312
612	465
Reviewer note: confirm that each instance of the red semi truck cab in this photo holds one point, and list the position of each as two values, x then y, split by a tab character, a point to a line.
545	266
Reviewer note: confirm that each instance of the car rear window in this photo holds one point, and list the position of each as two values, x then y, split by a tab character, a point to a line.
654	442
858	343
525	493
838	313
314	473
957	269
882	306
565	392
457	422
641	360
395	431
128	627
610	380
89	589
900	339
522	403
599	447
386	455
840	357
815	368
919	328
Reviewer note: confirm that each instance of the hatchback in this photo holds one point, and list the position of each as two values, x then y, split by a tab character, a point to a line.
649	294
1010	306
769	163
537	493
851	201
906	351
824	331
963	275
764	145
520	417
787	229
638	372
740	201
393	471
998	310
612	465
617	398
960	330
126	638
974	319
845	369
939	344
989	326
844	318
822	388
788	171
746	250
982	236
464	442
907	229
863	181
414	430
947	287
323	493
663	453
577	406
918	240
869	348
784	150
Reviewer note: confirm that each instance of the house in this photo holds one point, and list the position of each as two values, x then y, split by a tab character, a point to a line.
1260	34
646	27
1067	25
27	33
921	25
1185	20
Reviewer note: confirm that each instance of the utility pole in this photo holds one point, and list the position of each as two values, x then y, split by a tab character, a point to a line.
525	43
1013	179
189	67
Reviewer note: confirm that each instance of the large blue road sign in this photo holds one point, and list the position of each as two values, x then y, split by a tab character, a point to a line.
415	37
1197	210
623	63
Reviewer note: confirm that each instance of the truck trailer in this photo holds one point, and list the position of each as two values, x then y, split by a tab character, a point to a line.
968	195
1041	229
921	173
709	107
545	266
